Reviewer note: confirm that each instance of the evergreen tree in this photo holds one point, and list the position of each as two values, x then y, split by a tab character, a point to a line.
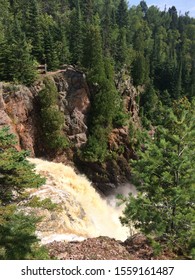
122	14
76	35
122	54
15	55
93	53
51	57
107	26
4	17
17	230
174	17
87	7
61	45
164	176
144	7
33	29
52	120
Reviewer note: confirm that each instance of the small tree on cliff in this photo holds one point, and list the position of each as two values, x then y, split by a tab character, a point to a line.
52	120
17	230
165	178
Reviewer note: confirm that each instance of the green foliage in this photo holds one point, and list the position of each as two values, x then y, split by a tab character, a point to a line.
96	148
15	54
16	234
52	120
32	27
93	54
46	203
122	14
156	46
164	176
16	173
76	35
106	113
17	230
158	49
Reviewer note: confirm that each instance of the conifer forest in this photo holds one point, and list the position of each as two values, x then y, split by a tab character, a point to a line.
103	39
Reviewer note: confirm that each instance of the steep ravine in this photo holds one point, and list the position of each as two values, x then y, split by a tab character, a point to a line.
20	109
82	214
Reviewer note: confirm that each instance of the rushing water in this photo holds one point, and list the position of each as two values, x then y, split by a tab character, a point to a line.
84	212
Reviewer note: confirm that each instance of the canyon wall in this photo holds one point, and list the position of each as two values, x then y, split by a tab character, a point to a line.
20	109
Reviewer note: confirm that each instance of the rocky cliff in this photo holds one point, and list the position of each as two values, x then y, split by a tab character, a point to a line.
19	108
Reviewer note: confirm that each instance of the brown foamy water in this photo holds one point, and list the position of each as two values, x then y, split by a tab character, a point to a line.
84	212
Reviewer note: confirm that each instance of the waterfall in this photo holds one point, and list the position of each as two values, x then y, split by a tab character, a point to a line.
83	212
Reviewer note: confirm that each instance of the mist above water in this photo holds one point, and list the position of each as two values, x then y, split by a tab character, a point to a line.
123	190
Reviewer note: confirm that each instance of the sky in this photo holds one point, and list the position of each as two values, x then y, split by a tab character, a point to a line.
181	5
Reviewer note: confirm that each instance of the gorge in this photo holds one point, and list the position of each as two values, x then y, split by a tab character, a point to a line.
84	212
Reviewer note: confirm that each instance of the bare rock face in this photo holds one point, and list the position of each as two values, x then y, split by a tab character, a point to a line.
74	102
129	93
19	108
16	111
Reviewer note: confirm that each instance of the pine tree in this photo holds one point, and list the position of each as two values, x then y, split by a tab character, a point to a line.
52	120
16	172
33	29
87	7
51	57
122	56
17	230
15	55
76	35
4	17
93	53
122	14
107	26
164	176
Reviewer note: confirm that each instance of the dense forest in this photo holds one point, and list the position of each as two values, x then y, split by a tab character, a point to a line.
102	37
157	49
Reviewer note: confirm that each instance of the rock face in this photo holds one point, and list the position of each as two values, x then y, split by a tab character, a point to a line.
19	109
129	93
74	102
116	171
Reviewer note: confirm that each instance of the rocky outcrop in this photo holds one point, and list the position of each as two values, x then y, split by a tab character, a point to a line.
17	112
100	248
130	94
74	102
116	170
19	108
138	247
